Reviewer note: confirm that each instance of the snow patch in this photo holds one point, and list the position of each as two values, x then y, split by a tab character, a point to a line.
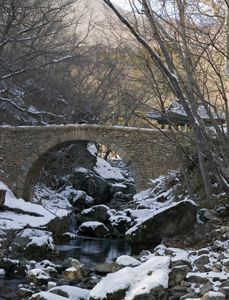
105	170
147	276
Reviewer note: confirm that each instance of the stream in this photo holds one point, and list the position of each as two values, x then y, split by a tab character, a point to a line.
89	251
94	251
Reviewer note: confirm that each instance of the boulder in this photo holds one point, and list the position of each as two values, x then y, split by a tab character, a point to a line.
8	264
99	213
125	261
167	222
225	262
75	270
89	201
72	273
120	199
80	154
202	260
157	293
120	164
213	296
104	268
197	279
207	214
38	276
64	160
225	291
95	186
217	268
71	292
51	284
180	259
74	263
12	268
148	281
24	293
51	271
77	199
178	274
48	296
34	242
19	271
207	287
93	229
119	224
46	264
188	296
117	187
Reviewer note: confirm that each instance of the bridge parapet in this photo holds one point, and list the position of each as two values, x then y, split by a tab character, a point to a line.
148	153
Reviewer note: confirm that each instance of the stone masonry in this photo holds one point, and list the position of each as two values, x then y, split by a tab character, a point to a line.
148	153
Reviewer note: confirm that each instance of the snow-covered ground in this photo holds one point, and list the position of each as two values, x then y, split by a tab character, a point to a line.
35	215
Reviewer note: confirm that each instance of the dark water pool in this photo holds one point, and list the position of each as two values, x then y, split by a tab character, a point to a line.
9	288
89	251
93	251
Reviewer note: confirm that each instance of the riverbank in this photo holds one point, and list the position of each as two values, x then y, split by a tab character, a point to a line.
188	265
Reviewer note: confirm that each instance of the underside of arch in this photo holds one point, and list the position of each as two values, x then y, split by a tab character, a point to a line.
33	164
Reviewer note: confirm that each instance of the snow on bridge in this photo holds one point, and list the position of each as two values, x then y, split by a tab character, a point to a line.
148	153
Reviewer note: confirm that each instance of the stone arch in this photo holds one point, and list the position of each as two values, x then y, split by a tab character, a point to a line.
32	165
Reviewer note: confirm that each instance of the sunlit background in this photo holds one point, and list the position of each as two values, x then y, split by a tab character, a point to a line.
121	3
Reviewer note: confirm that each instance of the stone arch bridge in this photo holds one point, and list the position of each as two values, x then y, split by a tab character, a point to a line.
148	153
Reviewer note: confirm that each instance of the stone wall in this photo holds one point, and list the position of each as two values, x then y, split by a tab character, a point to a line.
148	153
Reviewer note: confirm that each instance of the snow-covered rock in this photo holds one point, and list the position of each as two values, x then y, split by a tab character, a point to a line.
178	274
106	171
94	185
71	292
119	224
149	278
93	229
169	221
24	293
62	293
100	213
38	276
213	296
34	242
12	268
127	261
75	270
77	199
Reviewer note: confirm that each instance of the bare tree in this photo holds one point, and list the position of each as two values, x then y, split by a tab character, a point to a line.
185	43
35	36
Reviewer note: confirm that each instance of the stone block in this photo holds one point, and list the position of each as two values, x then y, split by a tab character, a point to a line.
99	139
120	151
24	168
133	166
135	172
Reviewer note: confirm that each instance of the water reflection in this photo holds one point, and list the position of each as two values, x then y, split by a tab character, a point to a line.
94	251
9	288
